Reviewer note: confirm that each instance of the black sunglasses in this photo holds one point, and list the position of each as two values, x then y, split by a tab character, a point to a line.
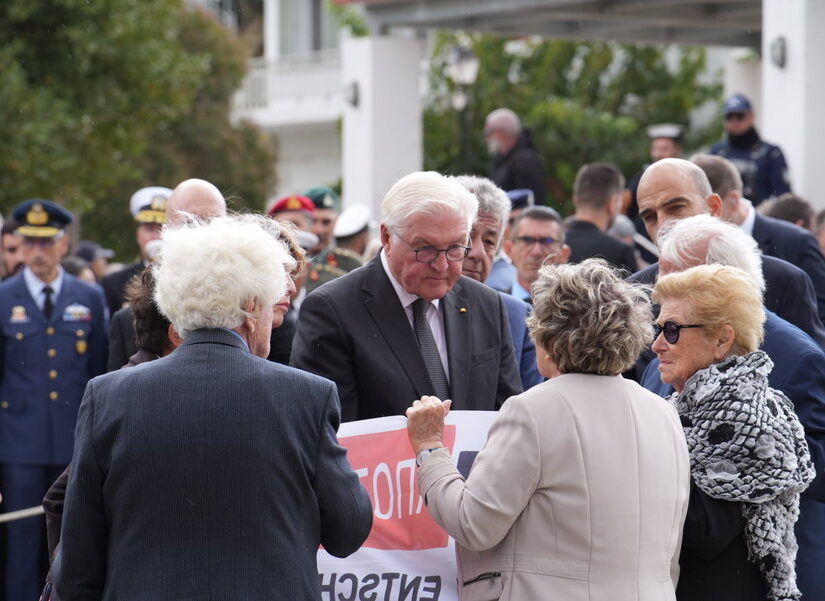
671	330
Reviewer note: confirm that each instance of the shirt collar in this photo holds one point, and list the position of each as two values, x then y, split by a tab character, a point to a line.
35	285
405	297
520	292
750	218
241	338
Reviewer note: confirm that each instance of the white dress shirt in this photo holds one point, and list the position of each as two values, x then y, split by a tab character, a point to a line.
434	316
35	286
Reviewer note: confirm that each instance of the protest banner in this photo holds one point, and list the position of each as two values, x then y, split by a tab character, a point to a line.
407	556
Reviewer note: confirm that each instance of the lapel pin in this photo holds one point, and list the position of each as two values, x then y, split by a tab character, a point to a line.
462	309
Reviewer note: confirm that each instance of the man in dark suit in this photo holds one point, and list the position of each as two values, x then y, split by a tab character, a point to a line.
597	196
673	189
53	340
798	371
210	473
407	323
776	238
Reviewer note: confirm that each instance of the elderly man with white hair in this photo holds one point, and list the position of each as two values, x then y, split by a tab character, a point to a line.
408	323
193	474
799	372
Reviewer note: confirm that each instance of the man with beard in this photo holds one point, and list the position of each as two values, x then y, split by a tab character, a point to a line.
516	163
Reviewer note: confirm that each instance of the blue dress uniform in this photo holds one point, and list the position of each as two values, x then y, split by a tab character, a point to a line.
45	365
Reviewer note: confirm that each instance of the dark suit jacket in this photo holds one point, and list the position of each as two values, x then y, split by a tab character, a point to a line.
354	331
586	241
114	285
207	474
122	339
799	372
786	241
788	293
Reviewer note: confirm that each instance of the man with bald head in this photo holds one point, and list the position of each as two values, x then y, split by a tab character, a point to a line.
516	163
196	197
673	189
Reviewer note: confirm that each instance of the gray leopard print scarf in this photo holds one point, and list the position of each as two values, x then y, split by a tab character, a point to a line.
747	445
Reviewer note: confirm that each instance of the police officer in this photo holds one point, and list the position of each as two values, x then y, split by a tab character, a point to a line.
53	341
762	165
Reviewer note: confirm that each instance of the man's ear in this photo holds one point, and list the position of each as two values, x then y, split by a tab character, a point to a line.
174	338
715	205
566	251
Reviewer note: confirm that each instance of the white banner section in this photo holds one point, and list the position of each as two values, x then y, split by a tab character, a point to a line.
407	556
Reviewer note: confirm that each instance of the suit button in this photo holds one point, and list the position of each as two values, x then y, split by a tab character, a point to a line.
19	335
4	404
53	374
51	352
50	331
53	395
80	333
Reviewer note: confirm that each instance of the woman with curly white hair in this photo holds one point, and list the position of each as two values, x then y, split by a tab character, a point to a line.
749	457
581	489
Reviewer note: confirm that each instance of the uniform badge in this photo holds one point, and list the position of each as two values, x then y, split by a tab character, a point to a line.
77	312
332	260
18	314
80	346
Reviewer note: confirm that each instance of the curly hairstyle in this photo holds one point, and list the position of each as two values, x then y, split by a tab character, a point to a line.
720	295
588	319
151	326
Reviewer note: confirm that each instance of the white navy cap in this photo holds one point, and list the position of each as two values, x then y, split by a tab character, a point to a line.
352	220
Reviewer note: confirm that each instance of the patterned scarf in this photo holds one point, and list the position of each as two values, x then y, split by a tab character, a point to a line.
747	445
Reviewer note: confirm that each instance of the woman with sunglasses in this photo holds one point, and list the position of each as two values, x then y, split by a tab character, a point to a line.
582	486
749	458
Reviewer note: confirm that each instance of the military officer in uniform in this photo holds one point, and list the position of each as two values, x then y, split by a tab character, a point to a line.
148	207
327	260
53	341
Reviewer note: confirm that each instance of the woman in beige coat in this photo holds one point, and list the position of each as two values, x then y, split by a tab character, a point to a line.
581	489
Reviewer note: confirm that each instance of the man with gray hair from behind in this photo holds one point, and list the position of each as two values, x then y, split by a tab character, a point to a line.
192	474
407	323
799	371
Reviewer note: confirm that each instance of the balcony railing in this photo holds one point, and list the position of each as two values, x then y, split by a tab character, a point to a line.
304	81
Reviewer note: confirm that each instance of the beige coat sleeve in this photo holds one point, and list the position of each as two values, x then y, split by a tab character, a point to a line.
479	513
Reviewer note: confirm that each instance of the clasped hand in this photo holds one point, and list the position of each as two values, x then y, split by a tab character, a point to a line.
425	422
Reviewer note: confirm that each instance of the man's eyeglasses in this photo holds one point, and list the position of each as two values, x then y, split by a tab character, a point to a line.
734	116
671	330
545	242
428	254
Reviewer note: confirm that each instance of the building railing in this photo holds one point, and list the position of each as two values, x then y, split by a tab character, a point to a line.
292	78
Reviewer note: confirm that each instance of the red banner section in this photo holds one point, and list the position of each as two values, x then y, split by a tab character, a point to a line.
386	465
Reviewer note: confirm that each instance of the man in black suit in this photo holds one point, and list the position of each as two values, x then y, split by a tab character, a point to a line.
775	238
408	323
210	473
675	189
597	196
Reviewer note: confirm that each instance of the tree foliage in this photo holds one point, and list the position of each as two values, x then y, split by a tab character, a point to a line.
100	98
584	102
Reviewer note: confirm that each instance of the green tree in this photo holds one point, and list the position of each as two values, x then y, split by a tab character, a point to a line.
100	98
583	102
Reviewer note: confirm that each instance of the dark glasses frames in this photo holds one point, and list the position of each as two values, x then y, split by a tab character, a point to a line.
671	330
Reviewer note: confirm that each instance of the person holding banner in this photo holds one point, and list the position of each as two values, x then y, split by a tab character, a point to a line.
582	487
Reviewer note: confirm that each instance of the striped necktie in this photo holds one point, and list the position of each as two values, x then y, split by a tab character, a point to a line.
429	350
